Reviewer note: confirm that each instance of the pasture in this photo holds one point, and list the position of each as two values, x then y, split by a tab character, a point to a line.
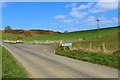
104	40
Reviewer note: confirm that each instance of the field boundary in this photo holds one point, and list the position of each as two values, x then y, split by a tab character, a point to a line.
102	47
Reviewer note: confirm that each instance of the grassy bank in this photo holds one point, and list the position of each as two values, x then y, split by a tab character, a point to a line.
110	60
110	43
0	62
10	68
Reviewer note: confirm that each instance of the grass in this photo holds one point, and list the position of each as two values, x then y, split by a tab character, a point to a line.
110	60
110	40
0	62
88	34
10	68
11	36
109	36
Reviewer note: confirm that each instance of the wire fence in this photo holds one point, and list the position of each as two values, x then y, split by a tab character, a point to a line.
98	47
95	46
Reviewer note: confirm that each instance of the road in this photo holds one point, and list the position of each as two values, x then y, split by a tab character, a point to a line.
41	62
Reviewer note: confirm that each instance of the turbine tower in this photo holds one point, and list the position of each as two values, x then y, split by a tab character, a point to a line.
97	24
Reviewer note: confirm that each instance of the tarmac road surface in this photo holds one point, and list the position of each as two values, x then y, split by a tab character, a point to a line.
41	62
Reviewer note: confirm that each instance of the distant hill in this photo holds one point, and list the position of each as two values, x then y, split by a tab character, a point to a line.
22	34
32	32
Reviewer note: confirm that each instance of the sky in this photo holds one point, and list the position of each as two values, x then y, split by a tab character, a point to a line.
59	16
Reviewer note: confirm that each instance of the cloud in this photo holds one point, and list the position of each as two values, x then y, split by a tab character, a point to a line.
104	6
80	7
83	6
77	11
108	5
67	20
78	14
0	4
64	19
115	19
68	5
108	0
59	17
91	20
71	5
104	21
86	14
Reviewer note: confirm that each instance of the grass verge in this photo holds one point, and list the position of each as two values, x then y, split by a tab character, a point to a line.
0	62
110	60
10	68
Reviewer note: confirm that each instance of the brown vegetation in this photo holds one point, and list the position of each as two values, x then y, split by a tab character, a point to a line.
1	31
32	32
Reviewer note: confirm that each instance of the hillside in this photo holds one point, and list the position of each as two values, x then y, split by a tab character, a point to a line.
22	34
98	39
31	35
104	40
88	34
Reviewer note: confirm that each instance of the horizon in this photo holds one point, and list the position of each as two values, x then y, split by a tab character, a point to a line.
64	31
59	16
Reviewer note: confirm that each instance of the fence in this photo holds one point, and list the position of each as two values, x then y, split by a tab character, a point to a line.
95	46
49	41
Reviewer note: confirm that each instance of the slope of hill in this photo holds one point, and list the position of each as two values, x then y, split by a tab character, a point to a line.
104	33
88	34
98	39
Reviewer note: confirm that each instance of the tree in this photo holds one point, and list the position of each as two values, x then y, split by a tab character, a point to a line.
8	29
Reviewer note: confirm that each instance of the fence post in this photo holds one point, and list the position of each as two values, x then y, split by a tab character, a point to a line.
79	45
104	49
64	47
90	46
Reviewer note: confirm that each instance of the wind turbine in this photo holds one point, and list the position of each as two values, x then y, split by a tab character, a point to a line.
60	28
97	24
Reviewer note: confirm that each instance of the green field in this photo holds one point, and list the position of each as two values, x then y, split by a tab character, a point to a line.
11	36
10	68
110	40
88	34
83	39
0	62
110	60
